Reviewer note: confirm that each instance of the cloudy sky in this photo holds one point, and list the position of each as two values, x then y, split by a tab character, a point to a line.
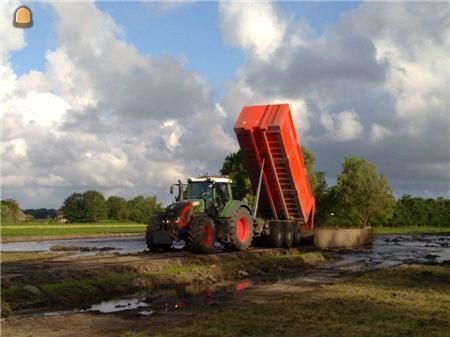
125	98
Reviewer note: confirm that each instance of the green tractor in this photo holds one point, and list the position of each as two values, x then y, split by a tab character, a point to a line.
204	212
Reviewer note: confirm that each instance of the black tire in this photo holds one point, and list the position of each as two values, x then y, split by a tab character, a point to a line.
297	234
276	236
202	234
240	229
153	225
288	234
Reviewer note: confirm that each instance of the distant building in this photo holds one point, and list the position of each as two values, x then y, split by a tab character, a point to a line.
60	217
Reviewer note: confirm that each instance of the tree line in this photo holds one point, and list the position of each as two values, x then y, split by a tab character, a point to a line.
362	196
90	206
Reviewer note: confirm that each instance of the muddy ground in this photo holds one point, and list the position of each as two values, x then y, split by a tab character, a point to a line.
262	292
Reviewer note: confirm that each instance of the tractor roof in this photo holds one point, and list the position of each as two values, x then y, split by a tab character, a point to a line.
210	178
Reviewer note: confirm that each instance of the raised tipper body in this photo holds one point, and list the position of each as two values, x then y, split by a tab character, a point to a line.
267	133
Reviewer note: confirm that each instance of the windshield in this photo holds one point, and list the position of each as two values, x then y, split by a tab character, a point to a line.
200	190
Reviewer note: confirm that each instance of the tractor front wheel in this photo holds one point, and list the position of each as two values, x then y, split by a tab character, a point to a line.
240	228
202	234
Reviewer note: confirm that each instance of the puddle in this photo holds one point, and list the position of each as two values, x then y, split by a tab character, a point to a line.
126	245
85	247
167	300
117	305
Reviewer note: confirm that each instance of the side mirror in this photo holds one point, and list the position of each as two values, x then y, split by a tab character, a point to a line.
171	189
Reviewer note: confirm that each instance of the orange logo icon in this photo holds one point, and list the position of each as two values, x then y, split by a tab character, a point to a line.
22	17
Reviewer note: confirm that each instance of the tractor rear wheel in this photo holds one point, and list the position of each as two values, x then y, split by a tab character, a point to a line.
202	234
152	226
288	234
240	228
276	236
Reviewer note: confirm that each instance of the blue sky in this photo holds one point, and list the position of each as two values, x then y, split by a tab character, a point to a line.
190	32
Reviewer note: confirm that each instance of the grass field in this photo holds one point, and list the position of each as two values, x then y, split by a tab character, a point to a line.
43	229
411	230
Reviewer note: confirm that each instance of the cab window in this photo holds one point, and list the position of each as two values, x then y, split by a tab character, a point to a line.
223	192
200	190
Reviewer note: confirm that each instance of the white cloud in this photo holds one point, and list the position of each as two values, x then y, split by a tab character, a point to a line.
342	127
50	180
378	133
255	26
103	116
171	132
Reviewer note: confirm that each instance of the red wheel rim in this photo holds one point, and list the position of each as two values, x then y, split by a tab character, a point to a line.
243	229
185	215
208	238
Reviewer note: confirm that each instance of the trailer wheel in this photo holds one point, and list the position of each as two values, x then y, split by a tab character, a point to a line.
202	234
240	228
152	226
276	236
288	234
297	234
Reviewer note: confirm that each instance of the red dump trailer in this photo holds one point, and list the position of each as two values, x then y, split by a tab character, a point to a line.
273	158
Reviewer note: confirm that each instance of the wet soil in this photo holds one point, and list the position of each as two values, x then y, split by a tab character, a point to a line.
187	299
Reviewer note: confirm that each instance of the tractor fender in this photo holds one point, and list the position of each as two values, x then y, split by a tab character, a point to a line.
232	206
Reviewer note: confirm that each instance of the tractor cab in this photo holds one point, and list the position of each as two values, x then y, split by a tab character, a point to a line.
215	192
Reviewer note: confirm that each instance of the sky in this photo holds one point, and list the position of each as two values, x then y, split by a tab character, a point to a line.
127	97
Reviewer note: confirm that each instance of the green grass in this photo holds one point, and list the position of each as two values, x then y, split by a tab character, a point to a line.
404	301
411	230
41	229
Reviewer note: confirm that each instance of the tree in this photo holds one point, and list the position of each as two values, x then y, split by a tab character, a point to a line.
95	205
233	167
141	209
362	196
7	216
417	211
117	208
41	213
74	208
15	213
316	178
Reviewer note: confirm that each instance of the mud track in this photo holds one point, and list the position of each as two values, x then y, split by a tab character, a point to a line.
156	291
